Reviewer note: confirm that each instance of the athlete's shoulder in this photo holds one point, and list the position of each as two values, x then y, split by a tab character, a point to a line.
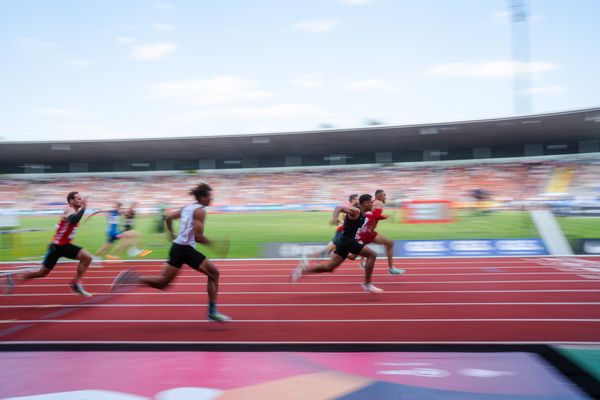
199	210
378	204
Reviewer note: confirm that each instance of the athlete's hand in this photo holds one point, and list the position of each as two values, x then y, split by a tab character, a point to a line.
171	236
221	247
334	222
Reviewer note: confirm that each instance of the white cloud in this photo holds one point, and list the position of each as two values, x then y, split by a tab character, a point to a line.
34	45
316	25
59	112
489	69
163	27
80	63
307	81
83	129
246	119
275	111
365	85
125	40
221	90
154	51
356	2
556	90
161	5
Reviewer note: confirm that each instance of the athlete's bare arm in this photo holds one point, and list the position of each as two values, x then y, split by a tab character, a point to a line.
66	212
72	215
352	212
96	213
199	216
336	215
169	222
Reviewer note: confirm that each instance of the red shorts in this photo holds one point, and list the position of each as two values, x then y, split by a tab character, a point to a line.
367	237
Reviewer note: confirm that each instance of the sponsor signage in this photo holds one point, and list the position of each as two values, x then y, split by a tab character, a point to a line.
432	248
427	211
579	208
297	250
468	248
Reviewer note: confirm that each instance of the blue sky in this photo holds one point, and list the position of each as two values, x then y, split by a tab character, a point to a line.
77	70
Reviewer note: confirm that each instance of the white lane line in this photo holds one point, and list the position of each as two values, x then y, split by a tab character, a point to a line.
356	292
291	263
377	305
284	267
287	261
262	276
167	321
305	283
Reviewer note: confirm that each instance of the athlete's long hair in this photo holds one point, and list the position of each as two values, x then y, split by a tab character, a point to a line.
200	191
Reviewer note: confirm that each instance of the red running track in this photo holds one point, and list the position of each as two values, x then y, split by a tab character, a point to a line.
492	300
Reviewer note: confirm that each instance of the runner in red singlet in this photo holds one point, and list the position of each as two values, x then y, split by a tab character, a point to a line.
61	246
367	233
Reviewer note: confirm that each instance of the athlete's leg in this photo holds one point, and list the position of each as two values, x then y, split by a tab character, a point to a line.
161	281
50	260
212	284
7	282
104	249
325	266
126	240
370	256
389	249
85	258
318	253
212	287
130	241
40	273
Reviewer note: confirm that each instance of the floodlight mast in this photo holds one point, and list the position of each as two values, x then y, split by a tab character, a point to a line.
519	18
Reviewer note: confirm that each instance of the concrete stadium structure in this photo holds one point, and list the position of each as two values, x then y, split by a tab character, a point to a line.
569	132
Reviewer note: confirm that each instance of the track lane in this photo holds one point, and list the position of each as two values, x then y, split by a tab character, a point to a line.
368	317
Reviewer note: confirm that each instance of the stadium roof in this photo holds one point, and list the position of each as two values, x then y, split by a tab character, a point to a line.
533	129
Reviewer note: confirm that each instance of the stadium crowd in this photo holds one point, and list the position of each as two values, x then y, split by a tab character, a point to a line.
505	182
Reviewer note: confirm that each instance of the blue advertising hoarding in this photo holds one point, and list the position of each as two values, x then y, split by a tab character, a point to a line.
469	248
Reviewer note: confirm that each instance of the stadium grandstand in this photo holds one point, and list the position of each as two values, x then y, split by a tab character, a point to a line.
533	158
562	133
509	181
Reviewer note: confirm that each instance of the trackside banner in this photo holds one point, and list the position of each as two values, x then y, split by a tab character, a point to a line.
297	250
469	248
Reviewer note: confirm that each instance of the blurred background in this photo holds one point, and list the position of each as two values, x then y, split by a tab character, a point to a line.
479	119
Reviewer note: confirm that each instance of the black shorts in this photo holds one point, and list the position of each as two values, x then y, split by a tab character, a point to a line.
347	245
55	252
336	237
180	254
